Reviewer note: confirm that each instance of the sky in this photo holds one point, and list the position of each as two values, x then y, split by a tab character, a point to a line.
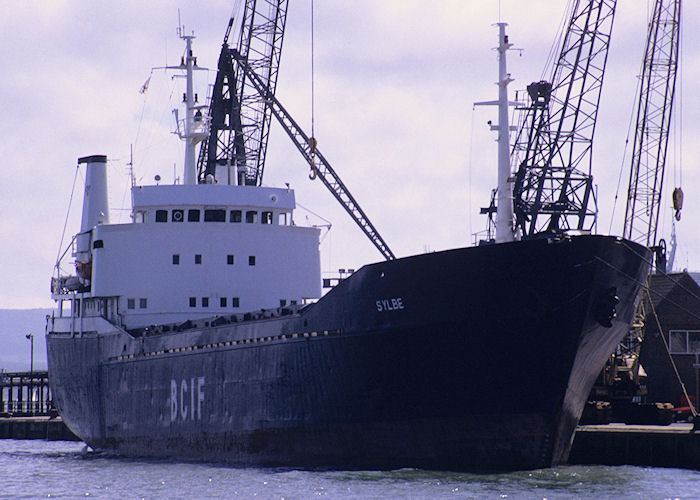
395	82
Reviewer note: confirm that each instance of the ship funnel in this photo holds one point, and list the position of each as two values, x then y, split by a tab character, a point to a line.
95	203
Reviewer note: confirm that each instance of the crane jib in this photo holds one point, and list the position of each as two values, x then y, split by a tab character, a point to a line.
309	151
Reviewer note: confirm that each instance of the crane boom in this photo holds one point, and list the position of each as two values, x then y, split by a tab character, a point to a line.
307	147
553	150
240	117
654	110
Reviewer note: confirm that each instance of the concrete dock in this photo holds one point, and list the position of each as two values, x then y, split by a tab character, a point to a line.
51	429
674	445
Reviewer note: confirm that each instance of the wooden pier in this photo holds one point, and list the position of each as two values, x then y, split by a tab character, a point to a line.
25	394
674	445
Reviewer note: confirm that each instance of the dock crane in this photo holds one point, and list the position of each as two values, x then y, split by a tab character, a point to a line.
243	102
552	154
622	377
240	115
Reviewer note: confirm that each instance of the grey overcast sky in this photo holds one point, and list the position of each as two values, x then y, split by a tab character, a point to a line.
394	85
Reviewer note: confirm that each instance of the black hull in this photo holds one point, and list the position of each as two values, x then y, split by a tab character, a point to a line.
477	358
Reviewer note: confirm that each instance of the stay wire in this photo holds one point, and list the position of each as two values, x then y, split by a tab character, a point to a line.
65	223
313	113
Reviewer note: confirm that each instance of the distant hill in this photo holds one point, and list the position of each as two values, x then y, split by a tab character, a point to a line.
14	346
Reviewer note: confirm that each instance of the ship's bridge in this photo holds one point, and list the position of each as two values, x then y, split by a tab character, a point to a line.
196	251
213	203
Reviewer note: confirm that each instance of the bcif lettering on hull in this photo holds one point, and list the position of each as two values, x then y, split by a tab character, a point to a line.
183	393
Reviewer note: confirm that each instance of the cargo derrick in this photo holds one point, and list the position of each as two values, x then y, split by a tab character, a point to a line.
622	382
552	153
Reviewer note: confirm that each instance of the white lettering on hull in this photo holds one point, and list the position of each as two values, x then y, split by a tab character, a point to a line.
392	304
180	407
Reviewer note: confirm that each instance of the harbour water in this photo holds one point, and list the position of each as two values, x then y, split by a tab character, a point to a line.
62	469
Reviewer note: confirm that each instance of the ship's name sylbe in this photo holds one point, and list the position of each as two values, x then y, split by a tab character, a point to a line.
186	398
392	304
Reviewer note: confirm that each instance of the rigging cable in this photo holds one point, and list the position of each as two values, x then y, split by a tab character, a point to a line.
65	224
312	140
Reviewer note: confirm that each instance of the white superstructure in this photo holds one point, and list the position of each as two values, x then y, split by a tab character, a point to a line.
191	251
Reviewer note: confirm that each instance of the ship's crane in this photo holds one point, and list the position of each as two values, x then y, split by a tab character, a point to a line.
242	102
240	116
622	377
552	153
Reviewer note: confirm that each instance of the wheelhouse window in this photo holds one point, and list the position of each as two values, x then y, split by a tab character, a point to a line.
161	216
251	216
177	215
266	218
214	215
236	216
193	216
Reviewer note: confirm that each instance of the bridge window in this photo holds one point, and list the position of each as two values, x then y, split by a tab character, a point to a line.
251	260
222	301
235	302
229	259
98	244
131	303
177	216
283	302
198	258
266	218
176	259
193	216
161	216
236	216
213	215
250	216
193	301
143	303
205	301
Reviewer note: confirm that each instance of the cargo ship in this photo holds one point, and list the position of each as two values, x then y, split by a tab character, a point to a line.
199	331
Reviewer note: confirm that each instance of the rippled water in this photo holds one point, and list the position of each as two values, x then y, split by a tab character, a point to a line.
39	469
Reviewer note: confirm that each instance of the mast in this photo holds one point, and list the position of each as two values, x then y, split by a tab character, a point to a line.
504	205
195	127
